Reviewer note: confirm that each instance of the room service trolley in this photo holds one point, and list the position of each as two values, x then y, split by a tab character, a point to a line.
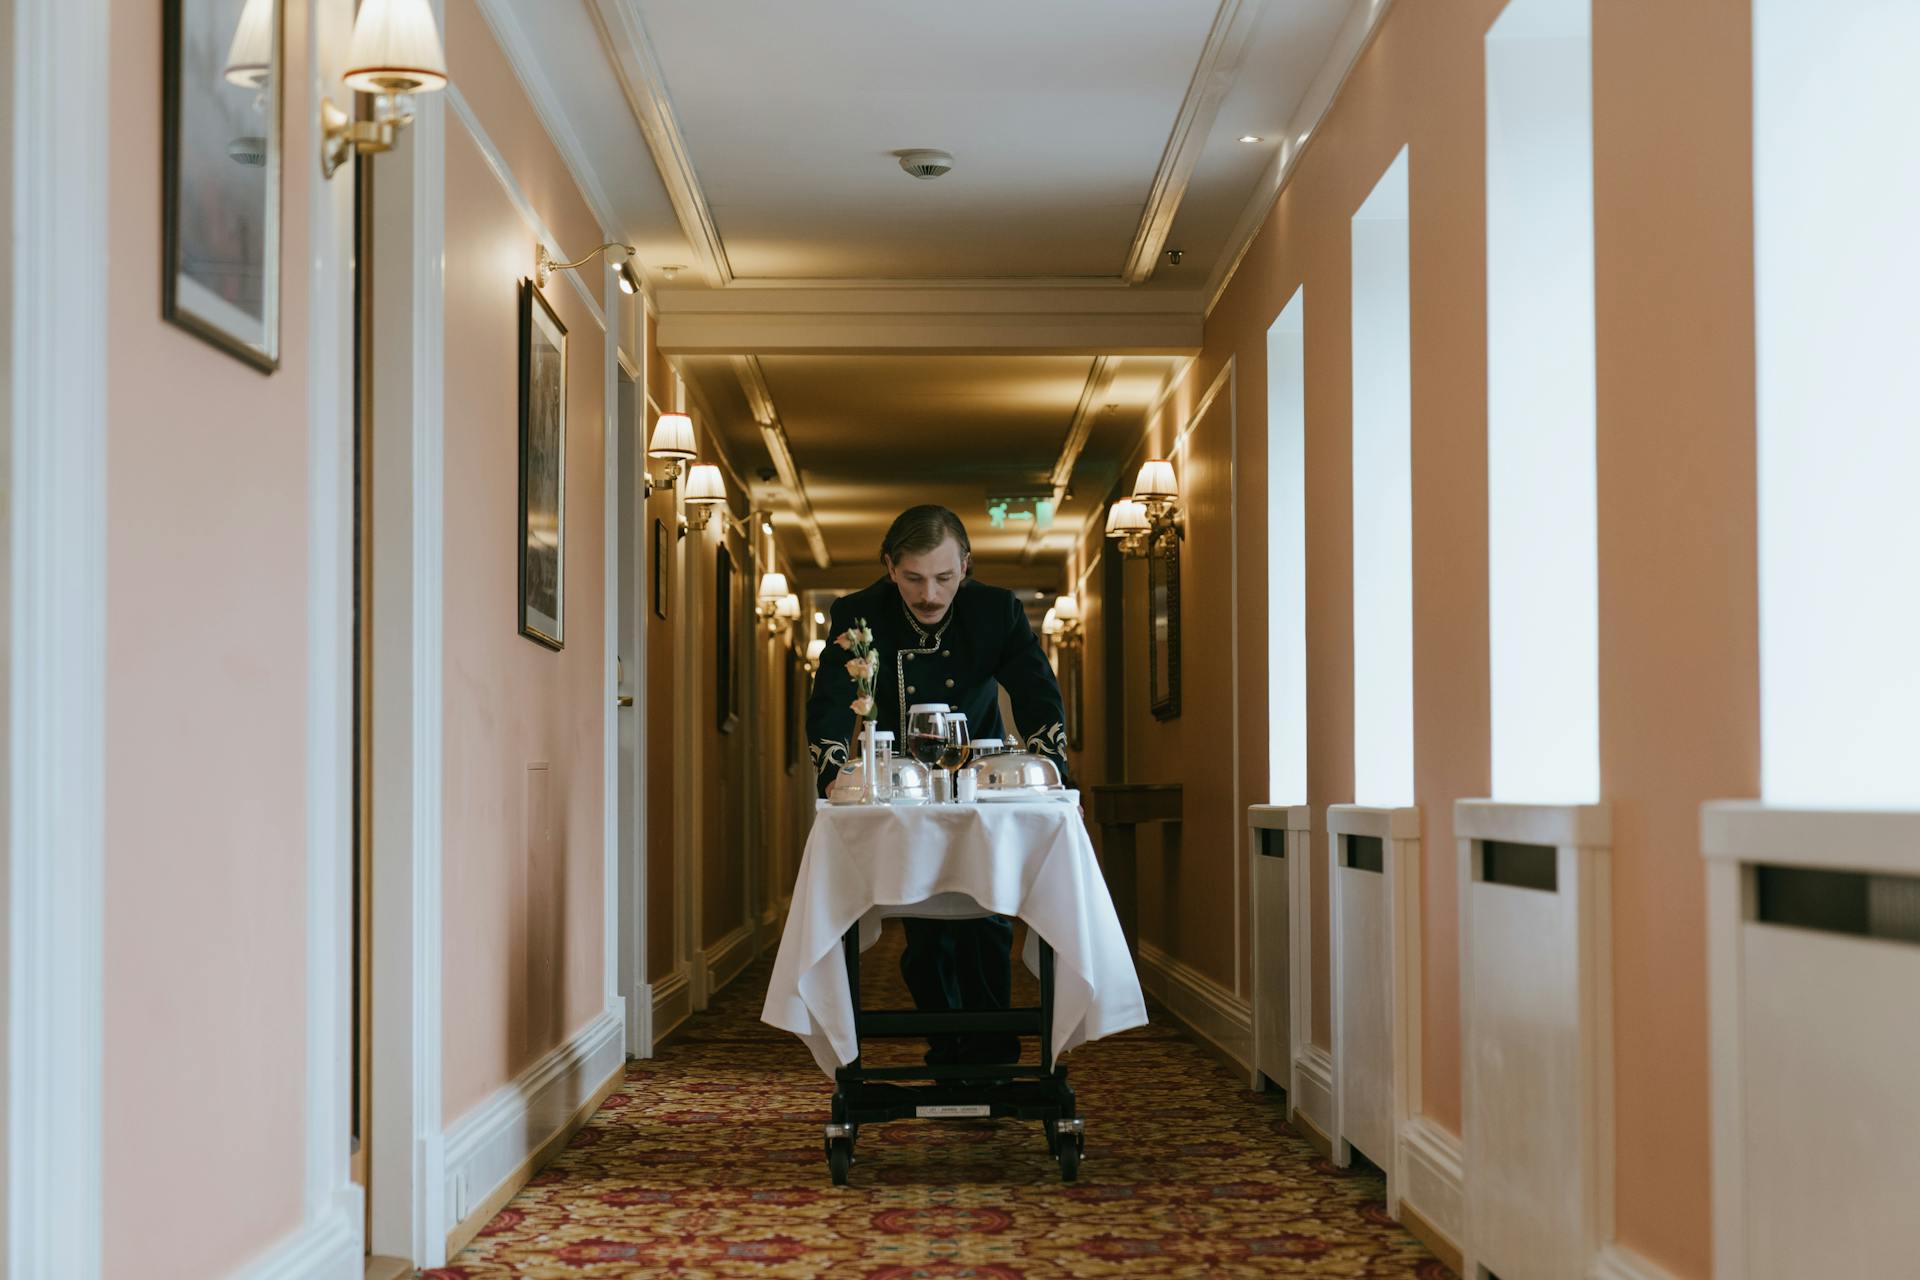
1028	859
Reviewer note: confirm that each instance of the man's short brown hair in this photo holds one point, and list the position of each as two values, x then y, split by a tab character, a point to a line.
918	530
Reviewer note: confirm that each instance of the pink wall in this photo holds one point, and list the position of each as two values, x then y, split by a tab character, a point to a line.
205	821
523	849
1679	610
1678	666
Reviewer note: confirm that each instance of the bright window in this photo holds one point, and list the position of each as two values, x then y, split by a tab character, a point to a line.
1542	559
1287	553
1836	94
1382	497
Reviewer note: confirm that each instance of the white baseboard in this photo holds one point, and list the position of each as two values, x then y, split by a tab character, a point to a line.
726	958
1617	1262
328	1248
486	1146
1313	1095
1434	1178
1198	1003
672	1004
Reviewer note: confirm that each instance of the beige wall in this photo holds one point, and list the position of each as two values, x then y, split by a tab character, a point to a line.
1678	662
205	819
524	848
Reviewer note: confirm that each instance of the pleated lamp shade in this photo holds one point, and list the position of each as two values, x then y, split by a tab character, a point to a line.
705	485
1126	516
672	437
396	49
1156	482
250	57
772	586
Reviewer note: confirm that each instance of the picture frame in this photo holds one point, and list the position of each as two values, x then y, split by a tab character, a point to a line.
1071	693
662	568
726	704
543	470
795	708
1163	625
221	142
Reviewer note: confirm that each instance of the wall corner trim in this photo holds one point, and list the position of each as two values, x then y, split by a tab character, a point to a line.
1617	1262
328	1246
57	620
493	1149
1203	1006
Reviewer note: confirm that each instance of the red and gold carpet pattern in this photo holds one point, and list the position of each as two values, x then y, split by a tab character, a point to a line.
707	1162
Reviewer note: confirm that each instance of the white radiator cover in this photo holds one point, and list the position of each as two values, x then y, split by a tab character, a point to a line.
1814	1041
1375	918
1275	964
1536	1011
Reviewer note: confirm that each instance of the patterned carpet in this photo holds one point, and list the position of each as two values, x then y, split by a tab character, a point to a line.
707	1162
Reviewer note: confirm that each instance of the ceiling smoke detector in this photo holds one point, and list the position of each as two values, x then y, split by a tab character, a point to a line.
923	163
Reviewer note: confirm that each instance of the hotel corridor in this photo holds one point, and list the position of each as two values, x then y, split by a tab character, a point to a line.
706	1161
1382	530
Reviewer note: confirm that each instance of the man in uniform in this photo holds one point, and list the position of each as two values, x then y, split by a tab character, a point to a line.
939	636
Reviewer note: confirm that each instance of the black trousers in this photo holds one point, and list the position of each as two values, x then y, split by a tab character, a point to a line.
962	964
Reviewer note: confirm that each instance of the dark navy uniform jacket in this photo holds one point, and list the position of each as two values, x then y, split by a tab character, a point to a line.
984	644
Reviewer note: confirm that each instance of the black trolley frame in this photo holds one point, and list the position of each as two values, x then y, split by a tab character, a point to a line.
870	1095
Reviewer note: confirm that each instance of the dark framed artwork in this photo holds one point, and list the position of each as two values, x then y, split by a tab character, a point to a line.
220	147
796	709
543	469
1163	625
726	704
1071	693
662	567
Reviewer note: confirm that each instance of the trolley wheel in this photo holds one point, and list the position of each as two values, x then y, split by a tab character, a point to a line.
1069	1155
839	1159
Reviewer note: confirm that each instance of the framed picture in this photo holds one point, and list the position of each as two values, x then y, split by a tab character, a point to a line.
1163	625
795	709
726	705
662	567
543	469
220	174
1070	693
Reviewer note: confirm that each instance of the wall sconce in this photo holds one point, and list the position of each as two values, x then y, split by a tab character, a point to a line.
1066	616
544	265
396	53
1153	510
672	444
705	491
815	648
1127	521
768	599
786	613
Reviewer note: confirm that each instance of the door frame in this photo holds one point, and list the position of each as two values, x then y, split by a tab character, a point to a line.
56	498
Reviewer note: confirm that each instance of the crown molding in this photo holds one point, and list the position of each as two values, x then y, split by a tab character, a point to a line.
753	381
1355	35
1093	398
630	49
1219	61
949	321
514	42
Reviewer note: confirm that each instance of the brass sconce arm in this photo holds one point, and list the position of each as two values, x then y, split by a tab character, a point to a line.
544	266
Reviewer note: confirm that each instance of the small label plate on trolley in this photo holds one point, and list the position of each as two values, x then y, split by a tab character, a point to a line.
950	1113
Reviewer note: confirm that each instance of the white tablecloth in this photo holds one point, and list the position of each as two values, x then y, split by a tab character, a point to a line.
1030	860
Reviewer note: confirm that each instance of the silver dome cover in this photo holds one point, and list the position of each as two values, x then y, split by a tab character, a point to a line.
1016	771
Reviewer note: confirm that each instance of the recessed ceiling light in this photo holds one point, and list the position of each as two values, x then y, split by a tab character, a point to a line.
1248	137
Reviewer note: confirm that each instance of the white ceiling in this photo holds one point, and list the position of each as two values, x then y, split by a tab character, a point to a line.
749	142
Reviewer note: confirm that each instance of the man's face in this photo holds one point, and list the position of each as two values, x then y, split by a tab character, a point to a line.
927	580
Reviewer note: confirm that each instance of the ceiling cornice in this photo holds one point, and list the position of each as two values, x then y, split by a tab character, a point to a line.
1093	399
951	321
753	381
625	36
1219	60
1356	33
